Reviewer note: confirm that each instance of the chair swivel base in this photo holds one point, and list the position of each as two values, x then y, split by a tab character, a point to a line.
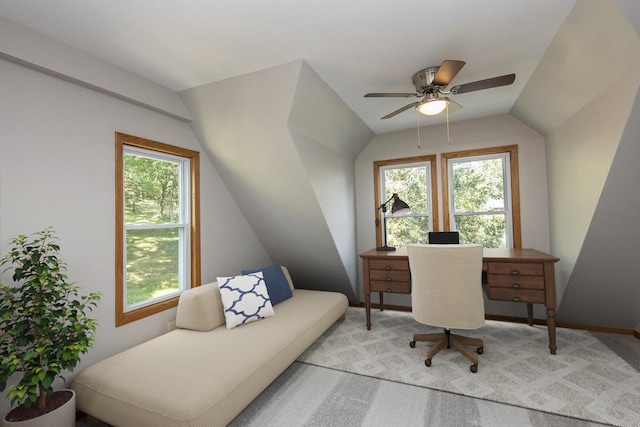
449	340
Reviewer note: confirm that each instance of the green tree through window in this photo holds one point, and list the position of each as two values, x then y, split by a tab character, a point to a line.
412	179
482	199
479	201
152	196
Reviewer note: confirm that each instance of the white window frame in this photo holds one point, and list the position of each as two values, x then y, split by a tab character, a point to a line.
429	162
506	186
183	227
512	188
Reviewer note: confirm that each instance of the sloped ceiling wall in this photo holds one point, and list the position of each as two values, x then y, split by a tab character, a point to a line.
594	48
604	288
580	97
284	144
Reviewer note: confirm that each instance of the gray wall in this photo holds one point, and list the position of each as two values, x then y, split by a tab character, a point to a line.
604	288
57	168
284	144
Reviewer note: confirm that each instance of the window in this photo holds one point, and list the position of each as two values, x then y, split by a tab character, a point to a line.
414	180
157	226
482	198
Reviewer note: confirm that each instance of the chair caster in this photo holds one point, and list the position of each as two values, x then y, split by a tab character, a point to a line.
412	344
480	350
427	362
474	368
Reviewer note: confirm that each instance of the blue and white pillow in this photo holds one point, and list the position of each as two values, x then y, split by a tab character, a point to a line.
245	299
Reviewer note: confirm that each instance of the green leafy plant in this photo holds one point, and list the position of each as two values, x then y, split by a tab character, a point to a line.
43	323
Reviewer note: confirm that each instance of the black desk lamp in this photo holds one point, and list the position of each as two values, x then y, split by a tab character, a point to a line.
399	207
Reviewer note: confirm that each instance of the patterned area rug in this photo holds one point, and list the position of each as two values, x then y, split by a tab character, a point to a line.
584	380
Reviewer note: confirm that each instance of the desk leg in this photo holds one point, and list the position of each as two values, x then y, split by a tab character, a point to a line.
530	313
550	304
367	309
551	326
381	301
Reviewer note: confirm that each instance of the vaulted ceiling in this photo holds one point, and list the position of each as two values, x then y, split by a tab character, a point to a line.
355	47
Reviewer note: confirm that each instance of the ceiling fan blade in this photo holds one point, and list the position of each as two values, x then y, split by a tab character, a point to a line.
446	73
390	95
484	84
400	110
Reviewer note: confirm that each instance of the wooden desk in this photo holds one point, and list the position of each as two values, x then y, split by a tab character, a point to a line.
517	275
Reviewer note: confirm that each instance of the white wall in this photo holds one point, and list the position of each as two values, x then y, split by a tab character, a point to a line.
57	168
488	132
25	46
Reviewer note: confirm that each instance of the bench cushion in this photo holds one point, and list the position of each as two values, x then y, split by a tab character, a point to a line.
192	378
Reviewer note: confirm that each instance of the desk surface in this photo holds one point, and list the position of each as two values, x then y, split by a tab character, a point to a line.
488	254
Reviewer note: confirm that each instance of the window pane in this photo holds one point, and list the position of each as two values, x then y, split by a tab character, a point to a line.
152	264
151	190
411	185
489	230
404	230
478	186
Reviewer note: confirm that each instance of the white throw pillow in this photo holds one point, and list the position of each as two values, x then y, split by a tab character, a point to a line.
245	299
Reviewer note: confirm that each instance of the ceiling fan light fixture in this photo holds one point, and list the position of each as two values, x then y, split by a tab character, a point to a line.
432	106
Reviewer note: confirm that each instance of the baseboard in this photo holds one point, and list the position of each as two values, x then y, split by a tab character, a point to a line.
516	319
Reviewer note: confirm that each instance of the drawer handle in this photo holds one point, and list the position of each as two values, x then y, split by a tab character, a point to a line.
387	267
515	272
388	279
517	299
389	290
515	286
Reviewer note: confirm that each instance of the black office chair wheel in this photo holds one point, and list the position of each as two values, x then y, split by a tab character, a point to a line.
474	368
427	362
480	350
412	344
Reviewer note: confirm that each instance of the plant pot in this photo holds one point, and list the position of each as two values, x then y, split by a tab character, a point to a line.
63	416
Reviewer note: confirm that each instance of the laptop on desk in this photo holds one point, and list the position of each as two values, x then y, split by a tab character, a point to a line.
444	237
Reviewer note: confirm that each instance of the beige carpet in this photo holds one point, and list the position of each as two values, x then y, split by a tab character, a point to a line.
584	380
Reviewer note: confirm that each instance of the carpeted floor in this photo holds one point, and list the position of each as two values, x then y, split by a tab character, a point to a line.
312	396
584	380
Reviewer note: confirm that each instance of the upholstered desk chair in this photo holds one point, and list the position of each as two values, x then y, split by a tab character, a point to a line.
446	291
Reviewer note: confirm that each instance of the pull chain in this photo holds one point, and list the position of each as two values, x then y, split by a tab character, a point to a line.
448	139
418	117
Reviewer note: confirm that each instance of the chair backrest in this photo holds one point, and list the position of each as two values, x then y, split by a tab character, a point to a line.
446	285
444	237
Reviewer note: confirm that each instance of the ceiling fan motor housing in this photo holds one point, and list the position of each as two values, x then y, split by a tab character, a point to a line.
422	79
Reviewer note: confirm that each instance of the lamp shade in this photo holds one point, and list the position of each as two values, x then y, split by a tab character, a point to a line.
432	106
400	207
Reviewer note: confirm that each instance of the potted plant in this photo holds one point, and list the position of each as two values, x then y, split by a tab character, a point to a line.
44	329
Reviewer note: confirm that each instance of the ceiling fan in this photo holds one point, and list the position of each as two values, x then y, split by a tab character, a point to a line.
431	83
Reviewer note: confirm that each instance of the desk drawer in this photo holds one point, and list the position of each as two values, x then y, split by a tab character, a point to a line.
515	268
520	295
389	275
516	281
397	287
388	264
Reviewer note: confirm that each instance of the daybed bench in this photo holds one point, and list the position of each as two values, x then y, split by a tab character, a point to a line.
203	374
